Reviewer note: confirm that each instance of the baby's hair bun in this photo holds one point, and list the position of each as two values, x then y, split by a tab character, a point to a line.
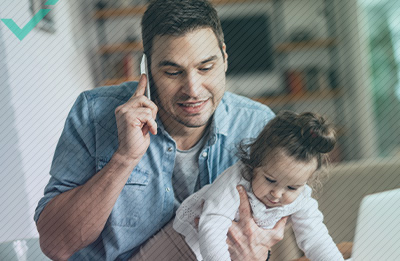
303	136
316	133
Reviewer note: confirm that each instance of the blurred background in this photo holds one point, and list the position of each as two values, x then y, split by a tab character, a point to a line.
338	58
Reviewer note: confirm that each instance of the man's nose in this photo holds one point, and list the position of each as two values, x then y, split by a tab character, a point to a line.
192	86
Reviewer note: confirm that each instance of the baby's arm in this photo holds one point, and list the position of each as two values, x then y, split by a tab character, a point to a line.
212	238
220	206
312	236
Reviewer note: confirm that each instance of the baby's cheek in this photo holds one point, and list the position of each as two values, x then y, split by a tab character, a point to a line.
292	197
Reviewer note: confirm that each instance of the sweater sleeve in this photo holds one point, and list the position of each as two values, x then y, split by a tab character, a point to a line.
312	236
220	206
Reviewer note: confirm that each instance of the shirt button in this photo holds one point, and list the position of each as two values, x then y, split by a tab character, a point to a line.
167	189
204	154
170	149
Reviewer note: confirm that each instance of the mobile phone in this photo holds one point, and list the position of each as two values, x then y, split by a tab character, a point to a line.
144	70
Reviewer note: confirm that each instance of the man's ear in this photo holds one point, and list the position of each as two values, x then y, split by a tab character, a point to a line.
225	56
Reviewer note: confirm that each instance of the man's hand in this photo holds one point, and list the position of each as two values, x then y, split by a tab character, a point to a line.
135	119
246	240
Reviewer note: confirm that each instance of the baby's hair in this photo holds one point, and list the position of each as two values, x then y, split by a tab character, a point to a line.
304	136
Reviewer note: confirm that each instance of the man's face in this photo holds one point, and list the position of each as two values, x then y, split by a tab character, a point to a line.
189	77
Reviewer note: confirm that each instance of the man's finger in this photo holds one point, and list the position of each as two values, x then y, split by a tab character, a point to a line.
244	207
146	118
278	231
281	223
197	222
142	102
141	88
152	125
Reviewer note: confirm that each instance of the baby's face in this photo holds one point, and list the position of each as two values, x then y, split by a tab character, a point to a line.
281	179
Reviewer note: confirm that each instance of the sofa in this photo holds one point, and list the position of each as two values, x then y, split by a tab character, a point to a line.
340	198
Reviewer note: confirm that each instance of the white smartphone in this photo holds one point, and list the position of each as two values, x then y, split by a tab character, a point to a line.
144	70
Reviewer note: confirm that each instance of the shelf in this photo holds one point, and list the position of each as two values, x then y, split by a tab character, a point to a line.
121	47
117	81
120	12
305	45
298	97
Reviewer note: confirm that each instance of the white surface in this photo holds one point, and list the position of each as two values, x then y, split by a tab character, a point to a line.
378	227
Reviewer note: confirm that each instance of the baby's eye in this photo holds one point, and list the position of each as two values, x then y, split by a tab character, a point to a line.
291	188
270	180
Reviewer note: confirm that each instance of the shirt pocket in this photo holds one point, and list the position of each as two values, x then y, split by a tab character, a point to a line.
133	198
138	179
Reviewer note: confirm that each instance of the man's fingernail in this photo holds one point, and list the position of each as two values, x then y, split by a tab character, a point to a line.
240	188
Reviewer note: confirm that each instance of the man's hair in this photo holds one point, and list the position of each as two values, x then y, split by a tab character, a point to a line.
176	18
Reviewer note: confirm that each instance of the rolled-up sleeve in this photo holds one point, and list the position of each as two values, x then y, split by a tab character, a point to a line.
74	159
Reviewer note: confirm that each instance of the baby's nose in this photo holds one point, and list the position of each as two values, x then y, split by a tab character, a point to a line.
277	193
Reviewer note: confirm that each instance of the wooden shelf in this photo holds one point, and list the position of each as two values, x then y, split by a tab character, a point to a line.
305	45
298	97
117	81
120	12
121	47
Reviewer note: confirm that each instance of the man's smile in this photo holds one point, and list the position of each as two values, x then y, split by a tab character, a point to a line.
193	107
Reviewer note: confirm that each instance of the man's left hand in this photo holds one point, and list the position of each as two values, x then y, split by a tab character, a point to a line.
246	240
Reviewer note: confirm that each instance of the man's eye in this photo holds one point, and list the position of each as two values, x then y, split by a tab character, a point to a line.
173	73
206	68
270	180
291	188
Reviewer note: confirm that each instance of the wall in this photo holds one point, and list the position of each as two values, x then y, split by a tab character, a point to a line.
40	78
355	77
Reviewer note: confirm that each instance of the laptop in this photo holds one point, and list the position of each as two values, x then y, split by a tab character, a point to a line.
377	235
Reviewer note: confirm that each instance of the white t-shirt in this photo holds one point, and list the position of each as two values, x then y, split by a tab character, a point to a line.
221	203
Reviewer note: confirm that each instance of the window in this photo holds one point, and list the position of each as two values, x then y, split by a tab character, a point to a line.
383	28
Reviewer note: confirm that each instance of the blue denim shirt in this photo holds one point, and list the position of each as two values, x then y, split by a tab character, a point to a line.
146	203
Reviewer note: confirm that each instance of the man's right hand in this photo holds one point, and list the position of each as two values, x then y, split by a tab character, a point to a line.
135	119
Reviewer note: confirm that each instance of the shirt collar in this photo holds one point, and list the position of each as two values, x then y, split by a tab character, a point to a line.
220	121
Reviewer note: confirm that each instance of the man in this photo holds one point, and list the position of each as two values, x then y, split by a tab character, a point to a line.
124	162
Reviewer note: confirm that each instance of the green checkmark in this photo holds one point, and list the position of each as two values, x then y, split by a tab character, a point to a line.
51	2
21	33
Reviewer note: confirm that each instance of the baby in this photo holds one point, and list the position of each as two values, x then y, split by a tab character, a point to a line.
274	169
